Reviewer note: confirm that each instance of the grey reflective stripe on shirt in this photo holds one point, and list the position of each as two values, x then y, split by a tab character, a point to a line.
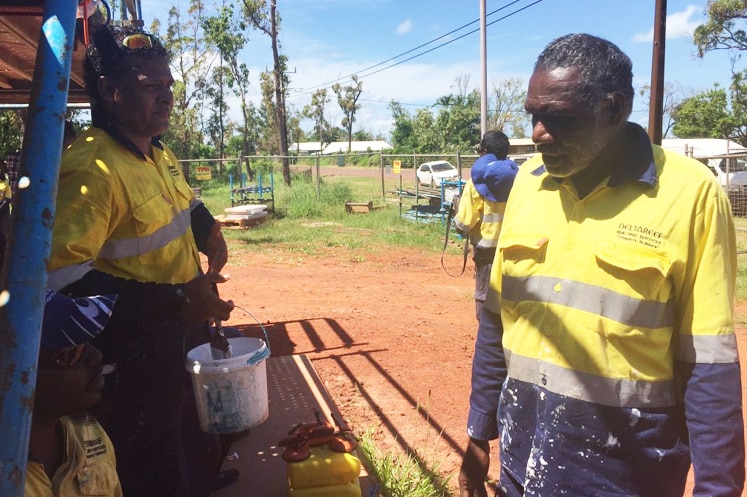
194	203
590	298
495	217
613	392
487	243
131	247
708	349
60	278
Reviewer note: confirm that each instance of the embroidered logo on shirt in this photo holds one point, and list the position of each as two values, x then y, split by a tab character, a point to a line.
173	169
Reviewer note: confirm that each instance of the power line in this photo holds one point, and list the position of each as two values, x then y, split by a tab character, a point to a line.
329	83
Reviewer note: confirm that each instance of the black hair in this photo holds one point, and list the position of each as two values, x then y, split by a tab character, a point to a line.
105	57
496	143
603	66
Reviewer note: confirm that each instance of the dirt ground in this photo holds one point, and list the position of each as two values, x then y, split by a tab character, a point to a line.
390	334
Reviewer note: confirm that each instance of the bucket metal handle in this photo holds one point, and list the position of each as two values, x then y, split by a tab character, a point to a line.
267	338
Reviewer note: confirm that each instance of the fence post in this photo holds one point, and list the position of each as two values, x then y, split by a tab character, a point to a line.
318	178
381	166
459	164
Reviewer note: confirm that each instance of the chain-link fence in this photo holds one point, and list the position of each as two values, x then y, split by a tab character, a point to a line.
388	176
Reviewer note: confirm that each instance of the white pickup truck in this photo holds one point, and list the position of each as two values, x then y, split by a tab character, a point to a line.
726	159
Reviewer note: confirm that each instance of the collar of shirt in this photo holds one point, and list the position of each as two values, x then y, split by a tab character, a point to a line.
155	141
639	160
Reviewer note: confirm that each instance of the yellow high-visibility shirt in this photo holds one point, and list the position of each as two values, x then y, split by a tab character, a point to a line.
600	295
88	468
122	213
479	217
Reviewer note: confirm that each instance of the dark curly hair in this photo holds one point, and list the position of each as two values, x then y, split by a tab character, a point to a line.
105	56
603	66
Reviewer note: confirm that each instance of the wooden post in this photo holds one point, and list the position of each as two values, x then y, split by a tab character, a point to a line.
656	106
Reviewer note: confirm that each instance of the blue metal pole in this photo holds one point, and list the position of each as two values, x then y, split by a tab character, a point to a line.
230	186
25	275
259	184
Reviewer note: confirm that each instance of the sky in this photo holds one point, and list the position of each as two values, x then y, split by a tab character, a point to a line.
413	51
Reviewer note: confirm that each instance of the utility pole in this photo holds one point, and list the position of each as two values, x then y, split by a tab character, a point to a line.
484	64
656	104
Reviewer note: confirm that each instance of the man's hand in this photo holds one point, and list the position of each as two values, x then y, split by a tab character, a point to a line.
474	469
201	302
217	251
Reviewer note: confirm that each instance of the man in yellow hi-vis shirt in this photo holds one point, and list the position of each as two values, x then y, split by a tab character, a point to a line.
481	206
127	223
614	280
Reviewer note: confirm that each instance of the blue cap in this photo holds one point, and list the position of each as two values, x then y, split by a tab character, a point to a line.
494	178
72	321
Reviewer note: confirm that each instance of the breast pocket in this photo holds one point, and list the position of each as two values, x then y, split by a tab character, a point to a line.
523	252
152	215
645	271
156	226
522	259
635	294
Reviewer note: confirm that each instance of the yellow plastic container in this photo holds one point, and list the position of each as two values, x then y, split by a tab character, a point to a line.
352	489
325	468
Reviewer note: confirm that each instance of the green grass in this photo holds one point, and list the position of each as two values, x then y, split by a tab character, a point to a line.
741	290
307	223
402	475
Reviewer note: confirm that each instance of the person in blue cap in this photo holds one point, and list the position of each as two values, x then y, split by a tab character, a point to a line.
70	454
481	206
480	215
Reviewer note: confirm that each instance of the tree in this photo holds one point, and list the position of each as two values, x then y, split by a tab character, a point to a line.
672	99
508	113
191	67
362	135
225	32
217	121
267	141
315	111
268	21
429	138
347	99
458	121
11	126
705	115
720	32
403	134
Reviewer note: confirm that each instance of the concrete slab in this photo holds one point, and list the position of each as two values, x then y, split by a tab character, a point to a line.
295	390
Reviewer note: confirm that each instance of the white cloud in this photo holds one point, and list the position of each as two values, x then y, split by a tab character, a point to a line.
679	25
404	27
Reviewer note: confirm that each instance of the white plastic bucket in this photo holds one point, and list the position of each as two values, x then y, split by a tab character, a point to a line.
231	394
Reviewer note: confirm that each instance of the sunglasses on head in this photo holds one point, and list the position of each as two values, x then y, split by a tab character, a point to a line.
67	357
139	41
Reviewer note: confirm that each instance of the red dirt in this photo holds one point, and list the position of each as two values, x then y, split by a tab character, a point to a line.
390	334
